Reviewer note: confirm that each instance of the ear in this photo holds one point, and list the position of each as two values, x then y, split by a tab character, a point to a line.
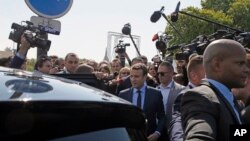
216	64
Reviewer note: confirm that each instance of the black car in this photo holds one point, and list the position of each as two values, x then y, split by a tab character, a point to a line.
39	107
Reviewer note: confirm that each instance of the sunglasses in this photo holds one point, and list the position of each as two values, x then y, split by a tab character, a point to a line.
161	73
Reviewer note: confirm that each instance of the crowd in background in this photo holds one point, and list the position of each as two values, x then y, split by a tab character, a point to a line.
171	109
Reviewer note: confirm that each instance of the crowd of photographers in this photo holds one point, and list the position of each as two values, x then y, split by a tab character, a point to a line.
173	84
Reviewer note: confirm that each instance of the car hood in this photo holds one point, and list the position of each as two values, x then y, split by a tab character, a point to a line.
26	86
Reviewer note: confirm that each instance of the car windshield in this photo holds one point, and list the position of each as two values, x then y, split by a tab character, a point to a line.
113	134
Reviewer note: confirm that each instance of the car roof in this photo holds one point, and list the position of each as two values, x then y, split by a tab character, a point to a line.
19	85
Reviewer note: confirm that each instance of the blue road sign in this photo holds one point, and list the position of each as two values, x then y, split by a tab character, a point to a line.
50	8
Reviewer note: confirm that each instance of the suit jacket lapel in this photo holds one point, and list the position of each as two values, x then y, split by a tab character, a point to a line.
146	99
223	99
171	95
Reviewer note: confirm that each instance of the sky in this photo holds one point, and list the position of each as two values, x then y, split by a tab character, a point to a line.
84	29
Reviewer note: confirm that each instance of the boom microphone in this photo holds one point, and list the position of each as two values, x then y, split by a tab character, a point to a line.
126	29
174	15
156	15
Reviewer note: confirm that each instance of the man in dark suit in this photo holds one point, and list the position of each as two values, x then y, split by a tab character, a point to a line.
148	99
207	111
127	83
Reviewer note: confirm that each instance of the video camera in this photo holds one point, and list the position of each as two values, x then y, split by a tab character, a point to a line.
121	47
162	40
32	34
199	44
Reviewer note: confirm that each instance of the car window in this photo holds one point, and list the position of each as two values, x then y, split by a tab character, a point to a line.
113	134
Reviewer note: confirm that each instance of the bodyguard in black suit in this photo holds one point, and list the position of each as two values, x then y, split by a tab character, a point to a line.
208	111
148	99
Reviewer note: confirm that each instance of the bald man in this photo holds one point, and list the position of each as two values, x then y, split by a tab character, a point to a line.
209	109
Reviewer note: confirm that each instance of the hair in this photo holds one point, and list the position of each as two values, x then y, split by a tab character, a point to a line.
57	61
137	59
105	67
84	69
193	63
103	62
116	60
144	57
192	56
70	54
53	56
140	66
40	61
167	64
122	69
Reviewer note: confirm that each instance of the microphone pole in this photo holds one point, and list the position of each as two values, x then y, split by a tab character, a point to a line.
210	21
137	50
174	18
165	17
127	31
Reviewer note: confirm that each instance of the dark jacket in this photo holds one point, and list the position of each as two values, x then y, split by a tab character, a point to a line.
206	114
153	108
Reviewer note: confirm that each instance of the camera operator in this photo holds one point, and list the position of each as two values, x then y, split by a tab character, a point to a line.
120	49
20	56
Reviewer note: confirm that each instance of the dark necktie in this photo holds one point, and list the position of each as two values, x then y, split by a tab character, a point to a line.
139	98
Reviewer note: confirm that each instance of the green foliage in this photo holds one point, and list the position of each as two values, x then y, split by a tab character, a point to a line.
30	64
190	27
239	11
217	5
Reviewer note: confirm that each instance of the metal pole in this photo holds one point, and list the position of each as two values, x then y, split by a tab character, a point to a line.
137	50
172	26
185	13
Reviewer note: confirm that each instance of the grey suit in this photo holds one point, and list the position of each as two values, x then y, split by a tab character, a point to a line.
173	93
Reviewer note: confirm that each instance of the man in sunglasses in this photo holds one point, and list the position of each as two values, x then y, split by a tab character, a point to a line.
168	88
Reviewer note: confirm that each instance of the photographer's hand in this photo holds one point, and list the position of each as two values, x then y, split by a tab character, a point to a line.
20	56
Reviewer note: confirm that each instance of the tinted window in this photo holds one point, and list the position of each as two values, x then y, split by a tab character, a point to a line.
114	134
